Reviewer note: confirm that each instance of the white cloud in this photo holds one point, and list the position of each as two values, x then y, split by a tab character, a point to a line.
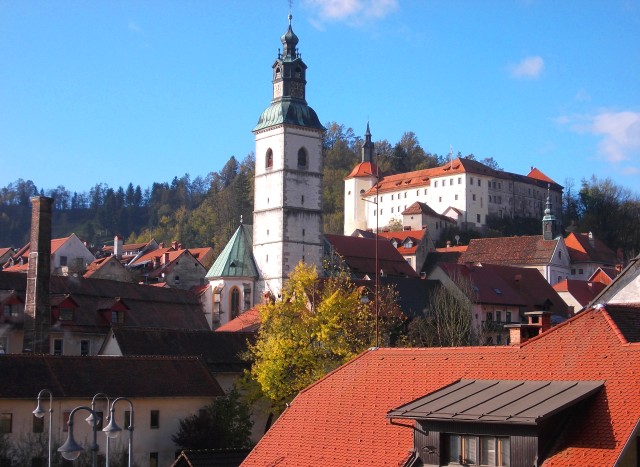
351	11
134	27
619	133
527	68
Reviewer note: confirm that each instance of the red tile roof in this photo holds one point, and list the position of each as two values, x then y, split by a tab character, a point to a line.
533	249
423	177
582	291
341	419
590	250
509	285
604	275
401	236
538	175
363	169
249	321
359	255
24	375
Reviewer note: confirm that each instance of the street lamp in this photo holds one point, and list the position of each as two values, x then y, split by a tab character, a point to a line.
377	216
94	421
113	430
39	413
71	450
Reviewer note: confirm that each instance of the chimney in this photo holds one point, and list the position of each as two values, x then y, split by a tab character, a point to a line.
180	247
37	308
537	323
117	246
161	245
448	243
592	240
165	257
174	245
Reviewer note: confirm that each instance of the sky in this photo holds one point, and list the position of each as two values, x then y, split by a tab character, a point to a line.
142	91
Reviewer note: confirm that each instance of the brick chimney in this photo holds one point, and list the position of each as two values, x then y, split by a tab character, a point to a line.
537	323
37	308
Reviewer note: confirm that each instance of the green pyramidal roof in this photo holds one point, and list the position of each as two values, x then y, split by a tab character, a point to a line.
289	112
236	260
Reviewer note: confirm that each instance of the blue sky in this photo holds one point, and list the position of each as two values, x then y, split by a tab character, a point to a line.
141	91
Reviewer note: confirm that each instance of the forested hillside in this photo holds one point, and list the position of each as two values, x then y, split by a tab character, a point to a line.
206	210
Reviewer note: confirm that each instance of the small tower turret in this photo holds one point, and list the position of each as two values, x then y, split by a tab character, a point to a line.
549	222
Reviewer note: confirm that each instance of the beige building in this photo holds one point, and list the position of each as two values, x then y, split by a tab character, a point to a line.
162	390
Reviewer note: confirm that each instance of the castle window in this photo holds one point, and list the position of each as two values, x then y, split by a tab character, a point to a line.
459	180
278	71
269	159
473	197
479	182
302	158
450	181
470	180
435	184
456	197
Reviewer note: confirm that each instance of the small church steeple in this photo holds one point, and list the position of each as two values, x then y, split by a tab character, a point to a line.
549	222
367	147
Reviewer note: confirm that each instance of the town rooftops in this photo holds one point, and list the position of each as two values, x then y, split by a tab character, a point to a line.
508	285
249	321
146	306
584	247
24	375
220	351
582	291
406	240
359	256
529	250
341	419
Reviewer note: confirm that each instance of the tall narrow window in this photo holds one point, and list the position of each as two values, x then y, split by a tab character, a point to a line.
37	424
84	347
154	421
269	159
235	302
57	347
302	158
153	459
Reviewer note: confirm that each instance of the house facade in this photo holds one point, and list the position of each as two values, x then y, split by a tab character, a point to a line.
157	407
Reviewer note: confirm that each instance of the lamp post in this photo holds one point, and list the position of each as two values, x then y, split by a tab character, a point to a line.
94	422
377	216
71	450
39	413
113	430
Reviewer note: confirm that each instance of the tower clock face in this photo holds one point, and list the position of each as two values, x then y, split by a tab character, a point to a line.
297	89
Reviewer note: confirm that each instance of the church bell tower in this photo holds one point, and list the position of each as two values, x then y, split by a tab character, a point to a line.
287	215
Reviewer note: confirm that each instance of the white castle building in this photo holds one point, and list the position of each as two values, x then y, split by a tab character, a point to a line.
463	190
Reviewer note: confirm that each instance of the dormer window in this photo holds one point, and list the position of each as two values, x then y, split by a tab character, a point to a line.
492	422
408	243
117	317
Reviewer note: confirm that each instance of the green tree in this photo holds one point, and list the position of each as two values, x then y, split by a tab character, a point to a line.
315	327
223	424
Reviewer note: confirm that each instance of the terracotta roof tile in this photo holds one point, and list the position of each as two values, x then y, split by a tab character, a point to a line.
582	291
359	255
533	249
584	249
363	169
249	321
341	419
24	375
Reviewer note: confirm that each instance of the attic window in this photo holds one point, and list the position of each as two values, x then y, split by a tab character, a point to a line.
394	242
497	291
233	264
408	243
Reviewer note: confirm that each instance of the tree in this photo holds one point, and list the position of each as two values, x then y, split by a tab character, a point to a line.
448	322
316	326
223	424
